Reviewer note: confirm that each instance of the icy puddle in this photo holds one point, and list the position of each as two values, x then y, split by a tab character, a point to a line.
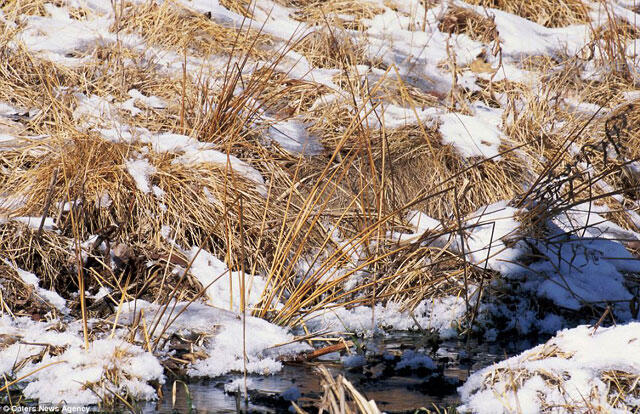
397	373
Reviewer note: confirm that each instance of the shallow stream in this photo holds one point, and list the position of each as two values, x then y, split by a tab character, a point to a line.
395	390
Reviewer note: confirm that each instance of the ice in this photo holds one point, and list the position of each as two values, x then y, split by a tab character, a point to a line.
291	394
414	360
354	361
237	385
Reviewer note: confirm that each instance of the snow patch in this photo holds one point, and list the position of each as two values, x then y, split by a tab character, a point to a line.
566	371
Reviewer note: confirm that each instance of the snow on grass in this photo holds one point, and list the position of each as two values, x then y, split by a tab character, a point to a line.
204	155
7	110
293	136
98	111
441	315
582	260
79	376
422	222
567	371
413	360
48	295
68	41
94	110
222	330
393	116
212	7
114	365
520	37
34	222
188	151
224	286
84	376
25	334
141	171
146	101
396	39
491	227
473	136
578	272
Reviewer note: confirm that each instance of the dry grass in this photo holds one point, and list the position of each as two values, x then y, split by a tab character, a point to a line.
322	12
340	396
461	20
336	209
548	13
333	49
172	27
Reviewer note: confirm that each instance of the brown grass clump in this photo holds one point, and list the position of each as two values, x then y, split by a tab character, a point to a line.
623	386
547	13
173	27
286	97
320	12
415	161
333	49
26	82
37	8
340	396
461	20
242	7
609	47
88	168
47	254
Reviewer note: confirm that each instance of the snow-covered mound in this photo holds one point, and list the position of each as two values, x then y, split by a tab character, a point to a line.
579	370
56	367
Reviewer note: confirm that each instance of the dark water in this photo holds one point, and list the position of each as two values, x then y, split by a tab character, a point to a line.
395	391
